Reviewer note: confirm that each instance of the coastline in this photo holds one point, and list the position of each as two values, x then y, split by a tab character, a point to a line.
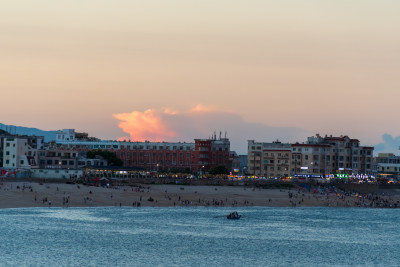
18	194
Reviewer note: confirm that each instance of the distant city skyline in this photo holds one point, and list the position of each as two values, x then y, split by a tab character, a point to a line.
179	70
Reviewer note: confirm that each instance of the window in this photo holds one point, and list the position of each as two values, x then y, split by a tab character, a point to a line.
22	162
71	162
7	153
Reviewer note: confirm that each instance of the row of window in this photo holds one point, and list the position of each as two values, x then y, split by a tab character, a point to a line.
159	163
141	154
57	162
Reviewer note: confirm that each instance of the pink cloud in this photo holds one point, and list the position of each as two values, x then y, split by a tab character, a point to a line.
142	126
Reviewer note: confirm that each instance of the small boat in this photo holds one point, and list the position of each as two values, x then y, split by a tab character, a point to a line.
233	216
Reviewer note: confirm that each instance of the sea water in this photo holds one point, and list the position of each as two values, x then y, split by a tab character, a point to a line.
199	237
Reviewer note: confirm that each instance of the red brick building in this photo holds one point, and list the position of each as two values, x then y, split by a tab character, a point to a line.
201	156
211	153
164	156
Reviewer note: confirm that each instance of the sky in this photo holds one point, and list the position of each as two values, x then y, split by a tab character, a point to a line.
181	69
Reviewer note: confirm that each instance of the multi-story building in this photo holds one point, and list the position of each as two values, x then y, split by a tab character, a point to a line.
58	159
210	153
20	152
65	135
202	155
269	159
388	165
348	156
157	156
311	159
318	156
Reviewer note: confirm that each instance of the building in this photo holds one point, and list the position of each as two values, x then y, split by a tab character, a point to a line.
210	153
200	156
157	156
347	154
269	159
58	159
317	156
20	152
388	165
311	158
65	135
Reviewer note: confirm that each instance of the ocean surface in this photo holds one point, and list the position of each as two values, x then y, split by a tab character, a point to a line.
199	237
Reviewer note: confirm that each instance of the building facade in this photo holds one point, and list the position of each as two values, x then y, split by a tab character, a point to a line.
269	159
20	152
317	156
58	159
388	165
200	156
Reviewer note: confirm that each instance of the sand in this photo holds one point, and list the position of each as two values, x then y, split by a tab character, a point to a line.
32	194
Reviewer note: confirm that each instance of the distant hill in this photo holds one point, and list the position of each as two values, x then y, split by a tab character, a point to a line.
48	135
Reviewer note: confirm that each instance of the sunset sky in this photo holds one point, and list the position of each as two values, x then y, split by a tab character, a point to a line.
178	70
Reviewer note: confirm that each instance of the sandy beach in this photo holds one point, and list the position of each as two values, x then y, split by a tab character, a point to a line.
33	194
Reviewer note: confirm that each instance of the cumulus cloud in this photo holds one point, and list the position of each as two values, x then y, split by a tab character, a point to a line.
390	144
147	125
201	122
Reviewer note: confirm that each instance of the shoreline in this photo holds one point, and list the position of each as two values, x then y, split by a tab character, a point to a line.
19	194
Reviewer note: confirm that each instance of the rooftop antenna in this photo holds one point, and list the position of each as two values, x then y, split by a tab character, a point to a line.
225	134
220	133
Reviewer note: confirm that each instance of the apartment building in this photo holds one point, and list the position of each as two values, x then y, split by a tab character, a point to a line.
20	152
58	159
388	165
269	159
317	156
348	156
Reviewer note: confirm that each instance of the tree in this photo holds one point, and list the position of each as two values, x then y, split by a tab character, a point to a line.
111	157
219	170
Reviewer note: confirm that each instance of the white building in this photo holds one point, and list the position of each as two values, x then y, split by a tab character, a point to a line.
18	154
65	135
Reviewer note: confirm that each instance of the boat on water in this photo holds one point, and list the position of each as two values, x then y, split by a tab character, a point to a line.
233	216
